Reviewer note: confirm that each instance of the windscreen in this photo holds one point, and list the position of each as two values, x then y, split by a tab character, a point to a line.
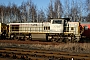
57	22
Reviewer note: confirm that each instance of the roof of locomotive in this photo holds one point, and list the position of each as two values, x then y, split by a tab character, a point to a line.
30	23
33	24
68	19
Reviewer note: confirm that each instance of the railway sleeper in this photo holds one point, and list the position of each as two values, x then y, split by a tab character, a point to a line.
14	56
41	55
28	57
3	54
74	57
37	58
21	51
49	56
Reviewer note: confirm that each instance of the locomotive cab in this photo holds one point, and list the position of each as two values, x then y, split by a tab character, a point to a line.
59	25
56	26
65	30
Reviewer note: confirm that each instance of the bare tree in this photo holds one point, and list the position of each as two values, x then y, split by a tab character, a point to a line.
41	16
8	13
88	10
34	13
50	11
75	10
28	10
66	9
2	10
58	9
14	12
23	12
88	18
82	10
31	11
88	5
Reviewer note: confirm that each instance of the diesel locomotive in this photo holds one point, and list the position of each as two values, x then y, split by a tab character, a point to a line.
57	30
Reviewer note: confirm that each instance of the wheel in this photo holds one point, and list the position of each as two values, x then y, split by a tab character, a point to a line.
60	38
66	40
11	37
72	38
53	40
30	37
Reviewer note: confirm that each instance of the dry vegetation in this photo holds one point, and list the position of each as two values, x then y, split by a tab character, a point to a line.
69	47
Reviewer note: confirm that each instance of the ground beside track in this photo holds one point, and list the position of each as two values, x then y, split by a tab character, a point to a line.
2	58
66	47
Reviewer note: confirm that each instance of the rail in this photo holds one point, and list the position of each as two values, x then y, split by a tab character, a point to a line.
18	53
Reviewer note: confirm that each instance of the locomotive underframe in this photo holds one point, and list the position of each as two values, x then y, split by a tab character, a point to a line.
54	37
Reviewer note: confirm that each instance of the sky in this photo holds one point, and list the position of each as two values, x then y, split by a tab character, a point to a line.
38	3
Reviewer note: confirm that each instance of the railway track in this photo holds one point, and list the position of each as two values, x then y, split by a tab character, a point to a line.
17	53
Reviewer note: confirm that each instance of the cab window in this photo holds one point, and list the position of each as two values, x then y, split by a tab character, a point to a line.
57	22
